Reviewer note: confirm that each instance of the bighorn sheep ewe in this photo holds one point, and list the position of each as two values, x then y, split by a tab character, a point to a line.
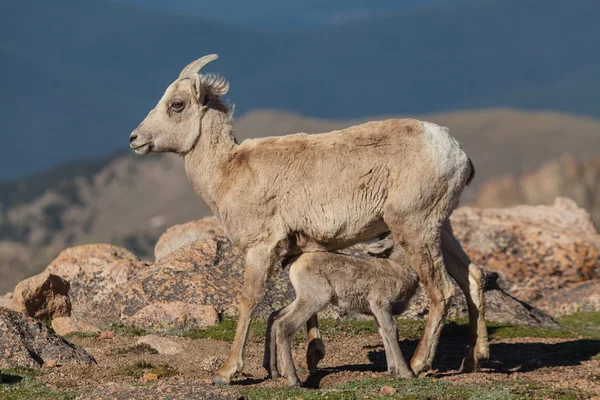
377	286
281	196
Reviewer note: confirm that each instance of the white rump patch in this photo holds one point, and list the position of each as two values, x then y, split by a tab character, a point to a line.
443	147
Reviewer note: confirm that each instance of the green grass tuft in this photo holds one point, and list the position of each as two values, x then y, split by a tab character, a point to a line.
137	349
25	384
127	330
141	367
225	330
585	323
82	335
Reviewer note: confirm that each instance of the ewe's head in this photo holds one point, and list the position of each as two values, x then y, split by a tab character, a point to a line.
174	124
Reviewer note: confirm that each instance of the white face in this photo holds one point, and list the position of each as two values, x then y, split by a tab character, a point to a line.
174	124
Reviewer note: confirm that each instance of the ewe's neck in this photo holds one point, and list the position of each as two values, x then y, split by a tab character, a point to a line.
206	163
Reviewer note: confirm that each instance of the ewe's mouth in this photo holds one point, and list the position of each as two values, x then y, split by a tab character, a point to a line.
142	149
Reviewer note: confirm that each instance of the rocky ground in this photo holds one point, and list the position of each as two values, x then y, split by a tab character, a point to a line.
101	323
564	364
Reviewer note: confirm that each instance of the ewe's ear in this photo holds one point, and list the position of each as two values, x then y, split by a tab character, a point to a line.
201	90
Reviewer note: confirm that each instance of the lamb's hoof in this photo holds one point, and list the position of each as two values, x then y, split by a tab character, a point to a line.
407	375
295	383
220	380
403	374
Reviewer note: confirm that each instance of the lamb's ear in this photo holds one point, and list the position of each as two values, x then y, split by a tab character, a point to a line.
381	248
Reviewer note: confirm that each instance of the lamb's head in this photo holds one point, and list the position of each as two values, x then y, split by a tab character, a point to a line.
174	125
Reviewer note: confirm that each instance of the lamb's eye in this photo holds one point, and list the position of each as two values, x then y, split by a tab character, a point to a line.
177	105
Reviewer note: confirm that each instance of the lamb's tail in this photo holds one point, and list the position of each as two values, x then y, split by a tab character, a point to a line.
472	173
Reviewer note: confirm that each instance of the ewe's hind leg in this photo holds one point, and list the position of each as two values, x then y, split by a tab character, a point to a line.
315	348
388	330
470	280
420	238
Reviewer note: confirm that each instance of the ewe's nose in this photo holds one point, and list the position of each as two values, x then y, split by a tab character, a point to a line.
132	137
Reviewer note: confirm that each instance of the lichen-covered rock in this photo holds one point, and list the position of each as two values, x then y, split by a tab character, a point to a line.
178	236
64	325
26	342
572	298
209	271
94	271
43	296
535	242
177	315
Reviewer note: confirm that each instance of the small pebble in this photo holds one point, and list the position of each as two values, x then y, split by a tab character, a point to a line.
149	377
107	334
387	390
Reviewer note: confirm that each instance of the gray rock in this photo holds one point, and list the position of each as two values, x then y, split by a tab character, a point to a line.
26	342
161	344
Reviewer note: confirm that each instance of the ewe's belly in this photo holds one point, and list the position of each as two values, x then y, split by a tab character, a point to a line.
333	235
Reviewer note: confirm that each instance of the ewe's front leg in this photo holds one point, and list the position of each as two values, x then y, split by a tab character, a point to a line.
260	261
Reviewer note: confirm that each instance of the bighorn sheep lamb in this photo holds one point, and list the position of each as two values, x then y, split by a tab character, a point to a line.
377	286
281	196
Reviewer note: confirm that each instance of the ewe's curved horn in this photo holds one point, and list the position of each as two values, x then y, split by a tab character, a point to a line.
194	67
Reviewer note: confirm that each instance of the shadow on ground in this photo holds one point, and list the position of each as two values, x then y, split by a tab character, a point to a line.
505	357
8	379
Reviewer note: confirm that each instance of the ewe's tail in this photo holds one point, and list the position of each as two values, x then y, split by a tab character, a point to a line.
472	174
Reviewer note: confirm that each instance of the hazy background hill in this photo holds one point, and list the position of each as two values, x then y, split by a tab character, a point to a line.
78	75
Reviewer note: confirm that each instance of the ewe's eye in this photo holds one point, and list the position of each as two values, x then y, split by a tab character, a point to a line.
177	105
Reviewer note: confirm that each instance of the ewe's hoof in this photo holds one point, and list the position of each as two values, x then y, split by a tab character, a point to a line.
468	365
220	380
419	369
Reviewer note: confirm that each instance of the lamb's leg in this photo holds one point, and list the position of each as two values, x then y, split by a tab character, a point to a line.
315	348
391	366
270	352
272	334
300	311
260	261
470	280
421	240
389	333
